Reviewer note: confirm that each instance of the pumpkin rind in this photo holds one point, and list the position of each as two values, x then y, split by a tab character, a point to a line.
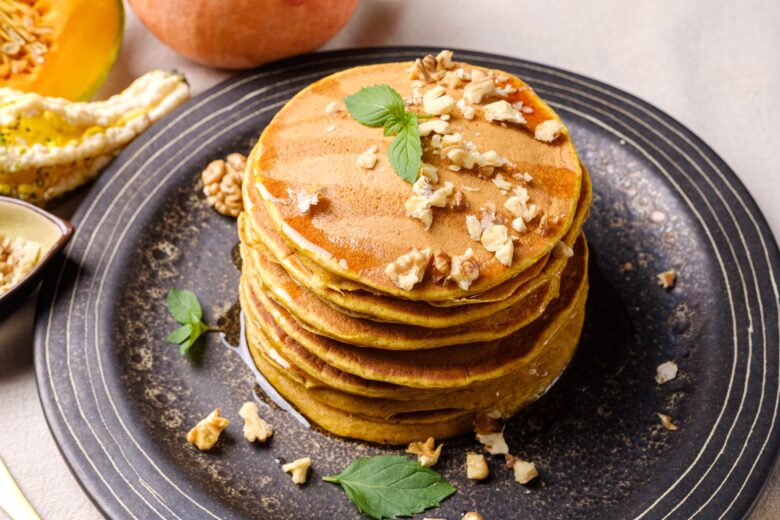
237	34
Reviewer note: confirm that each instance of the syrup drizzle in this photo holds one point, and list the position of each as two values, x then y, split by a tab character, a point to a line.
243	352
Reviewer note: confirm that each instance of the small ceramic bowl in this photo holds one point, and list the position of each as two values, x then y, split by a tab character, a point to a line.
19	218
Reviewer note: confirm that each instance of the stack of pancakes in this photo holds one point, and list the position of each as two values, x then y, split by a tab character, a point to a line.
334	333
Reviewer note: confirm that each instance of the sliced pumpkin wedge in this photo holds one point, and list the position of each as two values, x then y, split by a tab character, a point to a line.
61	48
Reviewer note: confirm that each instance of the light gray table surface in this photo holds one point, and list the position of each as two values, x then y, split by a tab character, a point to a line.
713	65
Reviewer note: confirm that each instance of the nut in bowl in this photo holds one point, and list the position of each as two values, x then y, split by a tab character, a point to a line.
29	239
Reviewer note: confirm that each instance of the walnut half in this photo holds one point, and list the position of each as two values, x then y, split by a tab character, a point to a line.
222	184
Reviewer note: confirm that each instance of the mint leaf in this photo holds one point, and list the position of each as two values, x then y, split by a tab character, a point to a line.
406	151
184	305
395	125
180	334
388	486
372	106
185	308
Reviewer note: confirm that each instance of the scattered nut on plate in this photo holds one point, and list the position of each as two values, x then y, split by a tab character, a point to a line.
426	454
255	428
299	469
222	184
205	434
476	466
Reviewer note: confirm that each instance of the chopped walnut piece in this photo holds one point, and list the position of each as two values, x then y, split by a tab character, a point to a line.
222	184
205	434
437	102
444	60
368	158
425	197
525	471
429	170
494	237
666	421
441	266
255	428
299	469
333	107
480	86
476	466
667	279
468	112
525	177
489	429
472	515
501	183
464	269
665	372
562	250
459	202
426	454
505	253
304	200
548	131
474	227
503	111
466	154
436	126
408	270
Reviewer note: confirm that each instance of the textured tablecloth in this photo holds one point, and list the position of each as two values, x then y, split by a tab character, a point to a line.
713	65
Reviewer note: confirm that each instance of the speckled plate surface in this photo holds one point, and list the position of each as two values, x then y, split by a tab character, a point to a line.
119	399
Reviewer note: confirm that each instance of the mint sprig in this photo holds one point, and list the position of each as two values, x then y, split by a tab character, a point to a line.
388	486
380	105
185	309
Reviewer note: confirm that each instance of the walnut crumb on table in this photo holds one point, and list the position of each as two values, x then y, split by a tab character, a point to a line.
472	515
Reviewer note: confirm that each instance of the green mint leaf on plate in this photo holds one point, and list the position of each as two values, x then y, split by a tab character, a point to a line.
406	151
372	106
180	335
185	308
388	486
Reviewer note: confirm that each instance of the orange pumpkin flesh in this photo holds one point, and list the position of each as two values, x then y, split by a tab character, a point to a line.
62	48
239	34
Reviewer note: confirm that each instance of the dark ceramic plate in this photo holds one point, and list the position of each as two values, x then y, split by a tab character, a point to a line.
119	399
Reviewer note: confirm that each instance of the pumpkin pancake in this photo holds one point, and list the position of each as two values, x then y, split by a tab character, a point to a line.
449	367
361	303
359	225
273	286
402	428
548	359
259	231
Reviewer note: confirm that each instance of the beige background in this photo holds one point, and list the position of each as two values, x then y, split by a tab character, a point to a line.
714	65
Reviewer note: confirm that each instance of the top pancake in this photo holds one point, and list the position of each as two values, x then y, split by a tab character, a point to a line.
360	225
